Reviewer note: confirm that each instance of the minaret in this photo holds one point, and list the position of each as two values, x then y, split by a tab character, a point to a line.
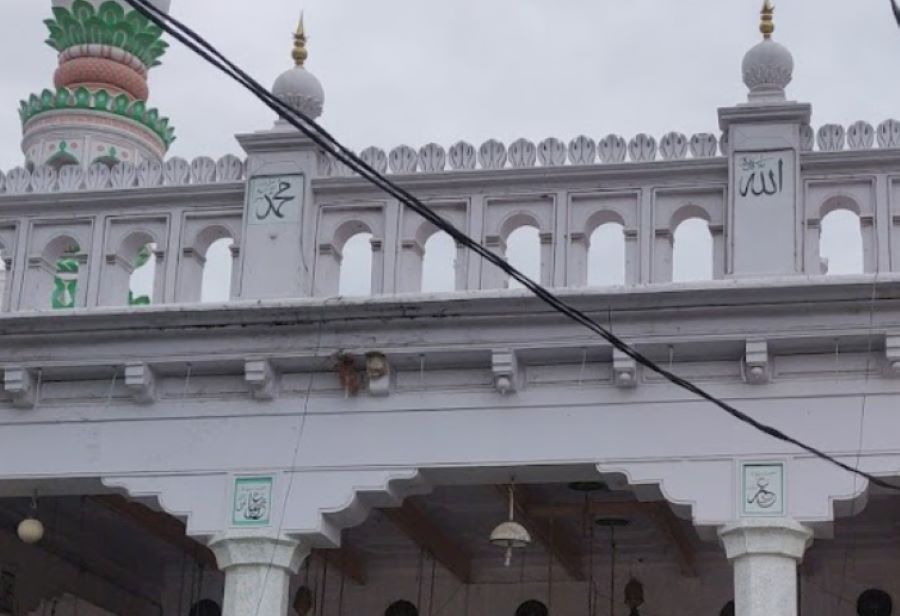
97	110
763	137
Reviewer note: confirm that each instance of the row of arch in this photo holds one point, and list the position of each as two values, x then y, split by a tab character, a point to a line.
841	253
841	250
606	260
57	280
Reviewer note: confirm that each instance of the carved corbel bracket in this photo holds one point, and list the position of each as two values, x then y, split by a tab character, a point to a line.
378	374
261	378
20	383
505	366
140	382
892	354
624	370
757	369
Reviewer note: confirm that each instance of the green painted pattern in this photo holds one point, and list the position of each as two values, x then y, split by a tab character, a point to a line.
101	100
109	24
65	283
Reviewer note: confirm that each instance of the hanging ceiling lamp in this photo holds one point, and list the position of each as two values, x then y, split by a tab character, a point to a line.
511	535
31	530
612	524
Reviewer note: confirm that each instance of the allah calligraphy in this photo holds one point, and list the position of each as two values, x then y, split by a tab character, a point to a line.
275	199
252	501
763	493
761	175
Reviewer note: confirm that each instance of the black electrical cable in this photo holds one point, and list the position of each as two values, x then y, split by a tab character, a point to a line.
332	146
896	8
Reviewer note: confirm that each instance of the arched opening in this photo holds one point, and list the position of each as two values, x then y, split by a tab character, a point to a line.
143	277
356	266
218	266
439	264
65	279
692	251
523	251
606	256
841	243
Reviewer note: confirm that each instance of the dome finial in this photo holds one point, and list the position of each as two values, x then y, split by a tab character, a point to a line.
767	24
300	53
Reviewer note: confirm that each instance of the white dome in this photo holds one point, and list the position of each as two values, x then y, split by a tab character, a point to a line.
301	90
768	69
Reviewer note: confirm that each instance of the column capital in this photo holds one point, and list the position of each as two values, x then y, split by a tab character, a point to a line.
242	550
766	536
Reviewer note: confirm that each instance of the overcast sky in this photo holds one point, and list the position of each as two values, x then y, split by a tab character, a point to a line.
416	71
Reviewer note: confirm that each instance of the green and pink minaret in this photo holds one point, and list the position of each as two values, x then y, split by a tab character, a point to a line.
97	110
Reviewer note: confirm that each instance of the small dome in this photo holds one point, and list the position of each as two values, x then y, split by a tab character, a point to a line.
301	90
768	69
298	87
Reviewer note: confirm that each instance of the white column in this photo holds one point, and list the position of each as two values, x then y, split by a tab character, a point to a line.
765	554
258	573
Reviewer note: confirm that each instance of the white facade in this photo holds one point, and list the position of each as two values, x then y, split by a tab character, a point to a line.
289	420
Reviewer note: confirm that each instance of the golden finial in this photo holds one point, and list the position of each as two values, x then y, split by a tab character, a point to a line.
767	25
300	53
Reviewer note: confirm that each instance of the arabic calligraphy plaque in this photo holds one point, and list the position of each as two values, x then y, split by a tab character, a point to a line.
275	199
763	490
765	212
252	504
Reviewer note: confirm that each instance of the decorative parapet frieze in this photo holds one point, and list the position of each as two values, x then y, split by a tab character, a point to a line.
123	176
505	366
140	381
756	370
831	138
21	385
261	378
624	370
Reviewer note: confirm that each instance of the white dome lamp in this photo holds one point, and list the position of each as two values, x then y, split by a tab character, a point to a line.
31	530
511	535
297	87
768	67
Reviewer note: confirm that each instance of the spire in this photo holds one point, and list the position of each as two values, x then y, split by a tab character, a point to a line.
300	53
767	23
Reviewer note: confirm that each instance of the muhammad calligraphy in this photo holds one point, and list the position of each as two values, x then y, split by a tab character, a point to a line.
763	490
275	199
252	504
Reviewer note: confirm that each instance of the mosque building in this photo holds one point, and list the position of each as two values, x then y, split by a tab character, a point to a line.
260	386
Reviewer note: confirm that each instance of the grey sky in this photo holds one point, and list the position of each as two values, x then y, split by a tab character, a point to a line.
415	71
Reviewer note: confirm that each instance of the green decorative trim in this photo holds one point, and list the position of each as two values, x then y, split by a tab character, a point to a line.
101	100
65	283
107	25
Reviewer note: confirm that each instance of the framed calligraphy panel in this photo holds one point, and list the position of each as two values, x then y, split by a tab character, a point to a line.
275	199
762	490
252	502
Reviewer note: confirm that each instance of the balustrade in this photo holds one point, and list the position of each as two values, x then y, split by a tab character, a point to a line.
612	212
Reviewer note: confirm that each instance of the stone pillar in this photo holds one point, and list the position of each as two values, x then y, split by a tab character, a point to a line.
279	229
258	572
765	554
